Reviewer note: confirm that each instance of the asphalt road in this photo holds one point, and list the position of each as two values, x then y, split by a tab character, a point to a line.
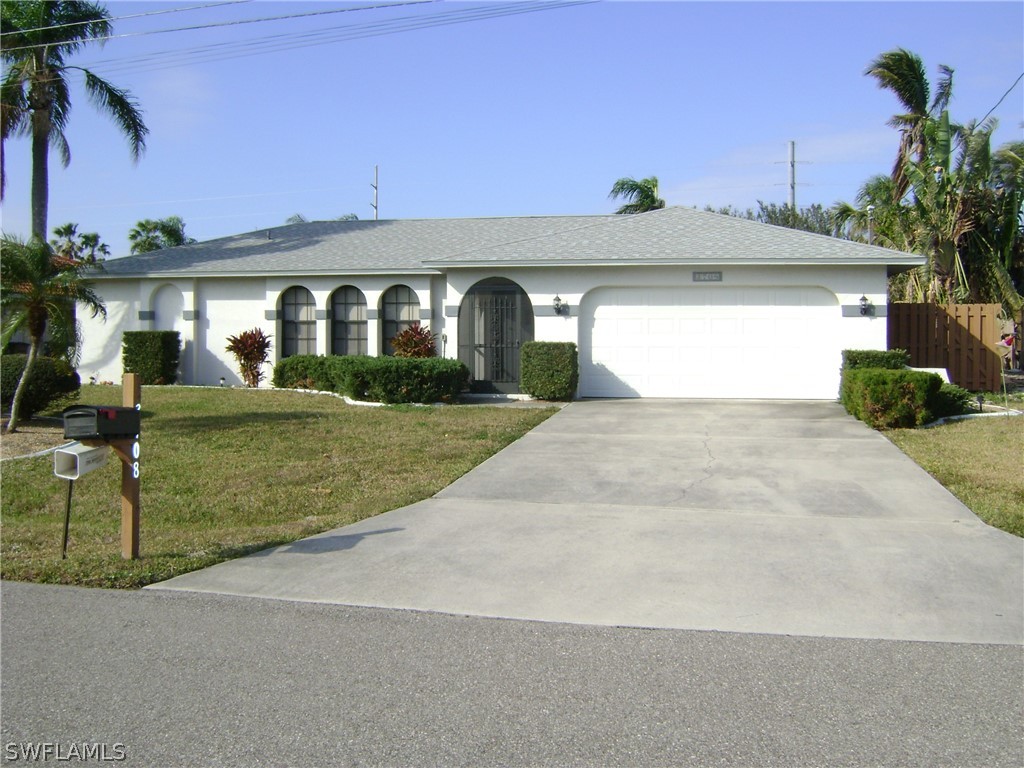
189	679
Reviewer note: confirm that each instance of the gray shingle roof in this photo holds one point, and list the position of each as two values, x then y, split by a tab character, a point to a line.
676	236
671	235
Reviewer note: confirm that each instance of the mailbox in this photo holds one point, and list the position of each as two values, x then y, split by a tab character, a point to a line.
100	422
74	460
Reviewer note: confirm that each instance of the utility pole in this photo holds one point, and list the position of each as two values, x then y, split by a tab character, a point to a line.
792	176
374	185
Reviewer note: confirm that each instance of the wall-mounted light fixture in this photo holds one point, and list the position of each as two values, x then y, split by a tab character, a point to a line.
865	305
557	305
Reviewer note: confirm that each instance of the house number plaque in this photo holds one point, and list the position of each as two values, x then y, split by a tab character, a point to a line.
707	277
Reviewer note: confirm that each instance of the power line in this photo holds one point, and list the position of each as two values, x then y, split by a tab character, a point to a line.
116	18
1019	77
236	22
340	33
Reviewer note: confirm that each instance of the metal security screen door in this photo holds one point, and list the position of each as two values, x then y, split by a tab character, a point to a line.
495	319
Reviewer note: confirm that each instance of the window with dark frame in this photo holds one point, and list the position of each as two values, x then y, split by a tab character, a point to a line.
348	327
298	326
400	310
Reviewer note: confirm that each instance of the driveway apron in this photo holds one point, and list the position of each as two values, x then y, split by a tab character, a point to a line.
740	516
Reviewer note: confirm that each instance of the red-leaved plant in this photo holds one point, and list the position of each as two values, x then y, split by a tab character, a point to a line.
415	341
251	349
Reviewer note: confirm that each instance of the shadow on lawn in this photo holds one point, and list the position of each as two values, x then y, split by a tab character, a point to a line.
235	420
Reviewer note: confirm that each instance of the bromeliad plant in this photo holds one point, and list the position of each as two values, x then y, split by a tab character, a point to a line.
251	349
415	341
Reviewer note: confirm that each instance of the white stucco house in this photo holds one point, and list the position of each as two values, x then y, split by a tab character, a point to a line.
670	303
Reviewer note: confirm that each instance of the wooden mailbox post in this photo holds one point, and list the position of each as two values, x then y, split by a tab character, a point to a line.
128	451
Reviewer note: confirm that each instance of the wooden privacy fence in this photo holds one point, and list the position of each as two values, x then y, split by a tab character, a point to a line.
958	337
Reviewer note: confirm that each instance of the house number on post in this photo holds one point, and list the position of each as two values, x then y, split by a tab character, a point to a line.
136	450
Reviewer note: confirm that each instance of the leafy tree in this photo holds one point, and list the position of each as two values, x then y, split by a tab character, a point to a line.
84	247
946	197
813	219
641	195
35	94
38	290
152	235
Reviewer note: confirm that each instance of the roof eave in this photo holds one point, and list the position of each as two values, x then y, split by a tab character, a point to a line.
908	262
178	275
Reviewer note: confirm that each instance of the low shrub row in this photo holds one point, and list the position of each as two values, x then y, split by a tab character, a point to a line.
877	388
377	379
50	380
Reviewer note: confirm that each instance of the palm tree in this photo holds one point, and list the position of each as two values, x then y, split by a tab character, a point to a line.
39	289
149	235
38	37
72	244
641	195
902	73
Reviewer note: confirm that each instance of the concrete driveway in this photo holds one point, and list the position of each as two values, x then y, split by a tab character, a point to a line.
742	516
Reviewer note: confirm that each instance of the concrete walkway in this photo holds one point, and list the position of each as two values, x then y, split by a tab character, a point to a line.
742	516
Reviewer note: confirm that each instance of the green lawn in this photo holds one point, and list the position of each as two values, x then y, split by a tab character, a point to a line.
980	461
230	471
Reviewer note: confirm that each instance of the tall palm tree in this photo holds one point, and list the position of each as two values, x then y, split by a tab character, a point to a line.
39	289
38	38
902	73
642	195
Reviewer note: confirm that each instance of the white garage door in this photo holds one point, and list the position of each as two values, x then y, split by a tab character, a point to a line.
710	342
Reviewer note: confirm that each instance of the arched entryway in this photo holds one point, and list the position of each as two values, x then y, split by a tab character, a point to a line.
495	320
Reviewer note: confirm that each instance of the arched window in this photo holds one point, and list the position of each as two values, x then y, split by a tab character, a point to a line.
348	326
298	326
400	310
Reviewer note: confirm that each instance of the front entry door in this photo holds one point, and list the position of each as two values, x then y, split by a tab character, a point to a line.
495	320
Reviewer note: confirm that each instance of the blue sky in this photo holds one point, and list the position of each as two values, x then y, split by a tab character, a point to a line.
528	114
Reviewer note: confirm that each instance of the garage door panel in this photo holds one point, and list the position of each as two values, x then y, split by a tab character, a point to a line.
709	342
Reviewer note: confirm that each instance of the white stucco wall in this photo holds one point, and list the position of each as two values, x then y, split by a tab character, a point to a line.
572	284
208	310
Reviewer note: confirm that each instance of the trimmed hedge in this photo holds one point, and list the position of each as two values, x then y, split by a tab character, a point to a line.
313	372
153	355
892	359
406	380
879	389
50	381
549	370
377	379
889	399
